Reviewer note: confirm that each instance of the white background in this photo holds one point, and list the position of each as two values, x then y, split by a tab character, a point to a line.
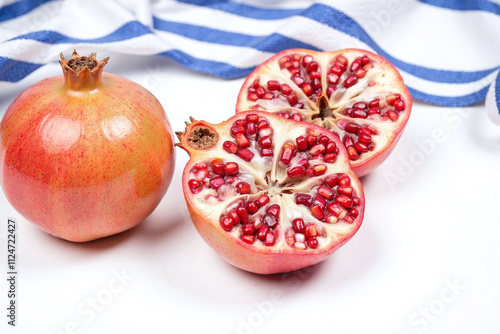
426	259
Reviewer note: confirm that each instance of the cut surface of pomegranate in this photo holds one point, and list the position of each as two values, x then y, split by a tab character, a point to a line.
355	93
269	194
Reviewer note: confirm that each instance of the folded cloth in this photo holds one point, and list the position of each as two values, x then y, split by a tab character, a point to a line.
447	50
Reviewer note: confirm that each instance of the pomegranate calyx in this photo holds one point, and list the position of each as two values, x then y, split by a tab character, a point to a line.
198	135
81	72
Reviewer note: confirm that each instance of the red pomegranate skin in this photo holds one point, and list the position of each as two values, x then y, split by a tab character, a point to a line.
82	173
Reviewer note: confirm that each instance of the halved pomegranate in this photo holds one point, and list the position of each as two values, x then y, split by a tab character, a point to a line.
355	93
269	194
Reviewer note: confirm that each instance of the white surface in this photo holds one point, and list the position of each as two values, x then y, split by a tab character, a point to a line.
424	261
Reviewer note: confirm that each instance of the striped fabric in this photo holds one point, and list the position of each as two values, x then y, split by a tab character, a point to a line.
447	50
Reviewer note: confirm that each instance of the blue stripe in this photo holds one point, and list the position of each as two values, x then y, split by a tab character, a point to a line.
450	101
219	69
19	8
340	21
482	5
272	43
14	70
245	10
127	31
497	92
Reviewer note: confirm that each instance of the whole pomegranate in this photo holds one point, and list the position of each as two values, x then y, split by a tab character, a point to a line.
85	155
269	194
355	93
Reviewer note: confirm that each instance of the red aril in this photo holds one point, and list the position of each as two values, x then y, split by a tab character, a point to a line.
86	155
294	209
355	93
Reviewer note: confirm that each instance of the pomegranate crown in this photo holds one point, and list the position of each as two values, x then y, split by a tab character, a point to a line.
81	72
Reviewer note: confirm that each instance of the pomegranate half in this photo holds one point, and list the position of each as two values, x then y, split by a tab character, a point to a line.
87	154
269	194
355	93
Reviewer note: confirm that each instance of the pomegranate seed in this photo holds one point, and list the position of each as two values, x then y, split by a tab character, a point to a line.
356	200
356	64
348	219
360	73
252	207
330	157
311	231
273	85
252	118
245	154
230	147
296	172
359	114
296	116
360	147
260	91
331	147
266	141
312	243
267	152
332	78
337	70
317	211
311	140
371	129
217	182
334	209
243	213
332	180
319	201
323	140
262	124
270	220
201	175
326	193
296	57
353	212
300	246
242	140
331	219
251	129
365	60
268	96
265	132
312	66
252	97
316	83
292	98
359	106
243	188
307	89
227	224
262	232
303	199
194	186
344	180
234	217
299	106
256	83
248	238
319	169
298	80
314	75
341	59
350	81
235	129
273	210
248	229
348	141
344	190
218	168
351	127
270	239
262	200
285	89
399	105
393	115
347	112
365	139
373	110
374	103
352	153
343	200
318	149
306	60
391	98
288	153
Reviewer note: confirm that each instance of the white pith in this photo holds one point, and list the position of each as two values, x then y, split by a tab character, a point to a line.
387	79
276	187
